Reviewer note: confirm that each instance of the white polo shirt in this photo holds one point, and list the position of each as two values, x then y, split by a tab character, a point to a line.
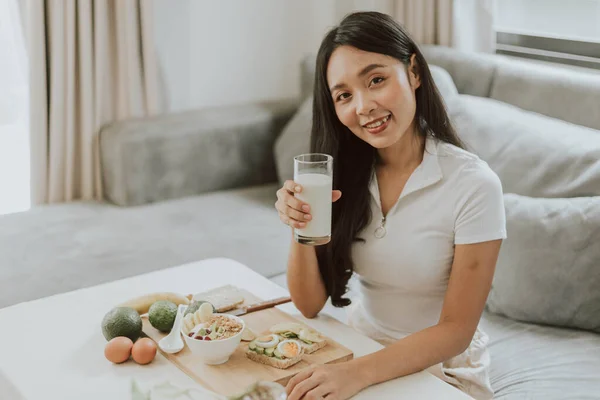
452	198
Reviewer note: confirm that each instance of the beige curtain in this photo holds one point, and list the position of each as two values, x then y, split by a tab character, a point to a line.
428	21
463	24
91	62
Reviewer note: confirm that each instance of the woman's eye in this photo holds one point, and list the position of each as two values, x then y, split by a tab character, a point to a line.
377	80
343	96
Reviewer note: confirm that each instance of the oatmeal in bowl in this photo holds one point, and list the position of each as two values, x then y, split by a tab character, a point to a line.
217	327
215	339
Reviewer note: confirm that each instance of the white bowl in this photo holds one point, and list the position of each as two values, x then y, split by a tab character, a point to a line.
215	352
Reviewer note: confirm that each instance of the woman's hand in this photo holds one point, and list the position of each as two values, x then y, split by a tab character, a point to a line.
333	381
292	211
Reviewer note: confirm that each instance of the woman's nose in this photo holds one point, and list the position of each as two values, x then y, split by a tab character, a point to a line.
364	104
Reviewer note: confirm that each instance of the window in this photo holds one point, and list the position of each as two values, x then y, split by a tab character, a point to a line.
560	31
14	132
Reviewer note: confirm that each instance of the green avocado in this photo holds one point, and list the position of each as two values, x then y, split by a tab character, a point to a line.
269	351
122	321
162	315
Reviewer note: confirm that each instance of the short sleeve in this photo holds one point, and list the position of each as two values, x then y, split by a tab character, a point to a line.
479	213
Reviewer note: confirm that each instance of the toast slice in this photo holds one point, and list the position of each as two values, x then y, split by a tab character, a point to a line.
272	361
223	298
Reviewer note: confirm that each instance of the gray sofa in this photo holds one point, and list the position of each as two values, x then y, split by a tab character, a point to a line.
202	184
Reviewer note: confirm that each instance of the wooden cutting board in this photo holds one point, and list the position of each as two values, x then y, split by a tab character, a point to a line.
239	372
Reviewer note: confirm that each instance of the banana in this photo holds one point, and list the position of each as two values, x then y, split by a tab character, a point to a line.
142	303
196	318
188	323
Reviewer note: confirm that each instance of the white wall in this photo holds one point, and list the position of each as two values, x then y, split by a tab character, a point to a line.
173	45
229	52
250	50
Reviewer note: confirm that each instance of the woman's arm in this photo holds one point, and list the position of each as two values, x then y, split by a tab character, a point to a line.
469	285
305	283
468	288
304	280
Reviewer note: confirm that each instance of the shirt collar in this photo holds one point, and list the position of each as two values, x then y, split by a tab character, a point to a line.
426	174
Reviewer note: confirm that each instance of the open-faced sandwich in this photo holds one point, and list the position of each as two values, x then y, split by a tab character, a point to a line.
310	339
275	351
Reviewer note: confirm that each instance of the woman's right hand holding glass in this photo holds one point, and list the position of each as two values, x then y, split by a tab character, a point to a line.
292	211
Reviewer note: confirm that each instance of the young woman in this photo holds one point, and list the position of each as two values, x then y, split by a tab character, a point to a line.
417	218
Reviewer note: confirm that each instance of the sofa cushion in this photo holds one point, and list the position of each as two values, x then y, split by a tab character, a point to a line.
293	140
548	271
533	155
57	248
538	362
443	81
174	155
472	73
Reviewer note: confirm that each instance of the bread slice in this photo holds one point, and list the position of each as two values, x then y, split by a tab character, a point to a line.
272	361
311	348
223	298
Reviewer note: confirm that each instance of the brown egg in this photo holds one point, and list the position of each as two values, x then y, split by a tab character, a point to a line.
118	349
144	351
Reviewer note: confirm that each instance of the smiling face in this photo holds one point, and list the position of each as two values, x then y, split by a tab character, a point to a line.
373	95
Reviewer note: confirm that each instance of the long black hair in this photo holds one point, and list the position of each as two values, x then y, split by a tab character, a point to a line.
354	159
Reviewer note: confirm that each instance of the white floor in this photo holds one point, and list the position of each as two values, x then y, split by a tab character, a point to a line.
14	168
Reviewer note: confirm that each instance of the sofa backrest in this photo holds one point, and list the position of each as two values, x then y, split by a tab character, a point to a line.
572	95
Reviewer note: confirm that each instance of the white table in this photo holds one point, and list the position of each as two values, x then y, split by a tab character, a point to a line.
53	348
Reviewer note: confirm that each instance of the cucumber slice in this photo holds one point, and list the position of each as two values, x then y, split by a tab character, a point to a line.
277	354
269	351
307	341
260	350
252	346
289	335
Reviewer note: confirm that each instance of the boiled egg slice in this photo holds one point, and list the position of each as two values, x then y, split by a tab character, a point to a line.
267	341
289	348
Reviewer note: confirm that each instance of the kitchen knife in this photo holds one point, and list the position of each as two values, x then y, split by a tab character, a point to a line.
259	306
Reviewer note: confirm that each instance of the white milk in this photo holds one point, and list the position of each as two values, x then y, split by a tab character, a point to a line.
316	192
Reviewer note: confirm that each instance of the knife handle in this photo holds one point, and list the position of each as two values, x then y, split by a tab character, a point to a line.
268	304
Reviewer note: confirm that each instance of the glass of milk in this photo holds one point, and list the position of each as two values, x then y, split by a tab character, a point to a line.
314	172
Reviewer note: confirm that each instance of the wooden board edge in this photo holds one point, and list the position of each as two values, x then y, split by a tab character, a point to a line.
187	371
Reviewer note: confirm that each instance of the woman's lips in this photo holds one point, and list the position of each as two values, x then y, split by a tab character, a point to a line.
381	125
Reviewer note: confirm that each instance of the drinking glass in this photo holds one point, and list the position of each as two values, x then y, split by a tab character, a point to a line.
314	172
